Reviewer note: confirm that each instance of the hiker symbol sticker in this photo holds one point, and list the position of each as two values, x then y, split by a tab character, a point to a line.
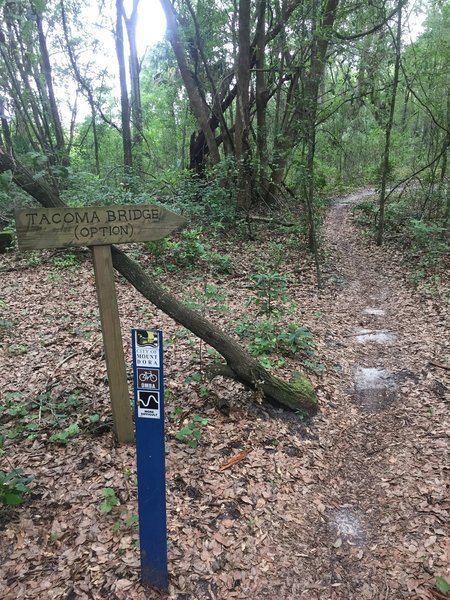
148	405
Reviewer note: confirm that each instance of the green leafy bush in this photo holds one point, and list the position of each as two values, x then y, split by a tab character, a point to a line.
191	433
110	500
14	487
68	261
428	236
296	339
270	292
210	198
63	437
266	337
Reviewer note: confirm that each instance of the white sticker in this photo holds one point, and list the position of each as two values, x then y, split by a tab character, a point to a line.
148	405
147	348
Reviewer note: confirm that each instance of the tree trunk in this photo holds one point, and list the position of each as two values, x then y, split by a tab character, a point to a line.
319	48
84	85
261	95
124	102
199	146
198	105
135	69
298	394
242	129
390	123
56	121
25	102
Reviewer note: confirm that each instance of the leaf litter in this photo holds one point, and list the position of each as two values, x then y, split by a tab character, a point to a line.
351	504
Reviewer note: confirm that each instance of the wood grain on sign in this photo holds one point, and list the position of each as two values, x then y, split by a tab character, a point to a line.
39	228
112	340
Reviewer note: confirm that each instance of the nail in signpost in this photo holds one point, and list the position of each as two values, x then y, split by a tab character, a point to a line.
150	456
99	227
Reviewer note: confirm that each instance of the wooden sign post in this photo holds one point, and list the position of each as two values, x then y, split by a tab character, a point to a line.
100	227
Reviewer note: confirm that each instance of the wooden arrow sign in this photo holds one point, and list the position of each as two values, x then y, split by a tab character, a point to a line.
99	227
39	228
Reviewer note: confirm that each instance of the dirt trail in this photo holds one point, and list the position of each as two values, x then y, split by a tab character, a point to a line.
351	505
378	509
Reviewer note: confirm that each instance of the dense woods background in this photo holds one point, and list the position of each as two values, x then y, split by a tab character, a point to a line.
296	136
244	105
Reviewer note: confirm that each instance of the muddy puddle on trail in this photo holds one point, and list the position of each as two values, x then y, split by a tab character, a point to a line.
374	312
347	524
353	198
367	336
374	389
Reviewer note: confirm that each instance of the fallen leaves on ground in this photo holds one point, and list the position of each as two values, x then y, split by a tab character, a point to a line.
353	504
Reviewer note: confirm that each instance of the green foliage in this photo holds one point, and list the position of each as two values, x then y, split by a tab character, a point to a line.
94	420
210	198
191	433
270	293
7	323
126	520
220	263
193	377
176	413
428	236
159	248
33	259
364	213
266	337
14	487
443	585
18	349
110	500
63	437
296	339
68	261
415	219
30	419
191	251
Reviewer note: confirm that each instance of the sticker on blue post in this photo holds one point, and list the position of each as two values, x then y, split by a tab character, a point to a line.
148	374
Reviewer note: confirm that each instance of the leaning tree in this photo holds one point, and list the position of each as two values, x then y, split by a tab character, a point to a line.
296	394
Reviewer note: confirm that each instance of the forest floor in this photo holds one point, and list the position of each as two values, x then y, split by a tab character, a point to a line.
351	504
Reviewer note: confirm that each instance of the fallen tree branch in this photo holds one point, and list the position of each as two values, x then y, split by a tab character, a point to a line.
373	332
297	394
270	221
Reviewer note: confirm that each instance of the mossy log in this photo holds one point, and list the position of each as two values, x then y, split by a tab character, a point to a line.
297	394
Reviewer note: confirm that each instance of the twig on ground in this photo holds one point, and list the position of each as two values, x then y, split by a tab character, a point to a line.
375	331
439	366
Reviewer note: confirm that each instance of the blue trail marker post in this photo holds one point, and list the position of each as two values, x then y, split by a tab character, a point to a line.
150	455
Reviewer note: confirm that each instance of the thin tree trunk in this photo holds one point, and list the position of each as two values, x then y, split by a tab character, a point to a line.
6	132
242	128
56	121
85	87
261	94
135	71
319	50
124	101
27	101
217	96
389	125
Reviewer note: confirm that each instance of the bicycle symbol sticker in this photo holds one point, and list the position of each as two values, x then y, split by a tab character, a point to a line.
148	405
148	379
